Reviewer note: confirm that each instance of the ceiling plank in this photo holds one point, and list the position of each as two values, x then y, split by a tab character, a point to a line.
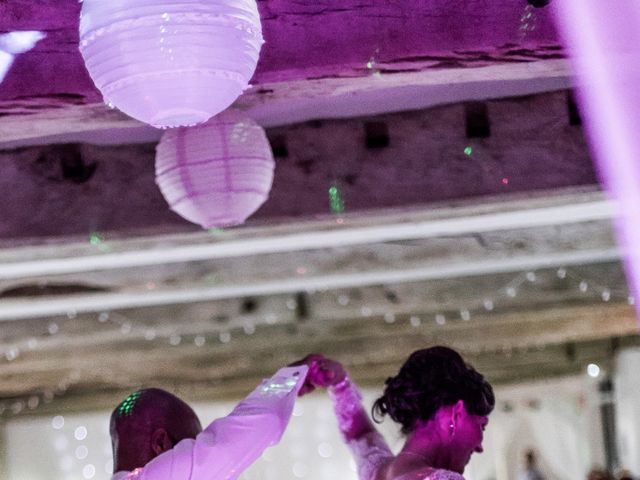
456	218
456	242
60	119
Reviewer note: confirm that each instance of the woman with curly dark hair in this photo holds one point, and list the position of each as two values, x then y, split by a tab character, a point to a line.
441	403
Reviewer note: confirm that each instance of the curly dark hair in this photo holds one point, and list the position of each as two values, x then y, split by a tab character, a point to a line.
432	378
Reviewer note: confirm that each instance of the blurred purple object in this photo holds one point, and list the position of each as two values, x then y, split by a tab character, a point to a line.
14	43
604	44
170	63
216	174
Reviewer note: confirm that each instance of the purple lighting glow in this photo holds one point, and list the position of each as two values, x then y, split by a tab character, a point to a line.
170	63
604	42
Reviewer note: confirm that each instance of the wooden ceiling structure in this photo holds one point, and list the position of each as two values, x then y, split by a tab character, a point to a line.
472	217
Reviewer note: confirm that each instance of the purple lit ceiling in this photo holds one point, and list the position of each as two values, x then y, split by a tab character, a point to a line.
309	46
309	39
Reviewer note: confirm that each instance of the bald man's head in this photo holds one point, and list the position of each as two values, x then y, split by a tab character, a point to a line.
148	423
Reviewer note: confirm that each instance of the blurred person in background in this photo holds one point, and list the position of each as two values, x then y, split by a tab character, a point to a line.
531	470
599	474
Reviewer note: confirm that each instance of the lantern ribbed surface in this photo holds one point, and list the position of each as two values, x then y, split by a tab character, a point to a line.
170	63
216	174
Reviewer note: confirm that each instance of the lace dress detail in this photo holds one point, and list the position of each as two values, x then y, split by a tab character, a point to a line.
431	474
370	450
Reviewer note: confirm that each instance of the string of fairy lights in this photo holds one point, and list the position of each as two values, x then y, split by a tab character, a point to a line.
78	457
586	288
169	335
528	22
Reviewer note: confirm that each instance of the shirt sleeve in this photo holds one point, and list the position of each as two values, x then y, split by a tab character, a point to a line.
232	443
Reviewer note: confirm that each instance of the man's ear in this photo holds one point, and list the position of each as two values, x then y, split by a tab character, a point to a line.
160	441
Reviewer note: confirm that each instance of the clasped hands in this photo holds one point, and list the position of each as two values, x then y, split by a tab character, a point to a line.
323	373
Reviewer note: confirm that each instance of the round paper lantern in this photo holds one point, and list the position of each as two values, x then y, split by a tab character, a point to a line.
215	174
170	63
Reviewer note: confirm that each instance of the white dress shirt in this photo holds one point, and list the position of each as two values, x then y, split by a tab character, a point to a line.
230	444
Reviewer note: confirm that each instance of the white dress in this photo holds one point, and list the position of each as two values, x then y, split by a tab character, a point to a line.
434	474
371	451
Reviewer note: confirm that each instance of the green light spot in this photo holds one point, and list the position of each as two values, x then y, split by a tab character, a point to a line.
129	403
335	200
370	64
468	151
216	231
95	239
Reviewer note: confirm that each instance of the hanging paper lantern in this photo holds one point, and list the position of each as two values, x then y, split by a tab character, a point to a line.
170	63
215	174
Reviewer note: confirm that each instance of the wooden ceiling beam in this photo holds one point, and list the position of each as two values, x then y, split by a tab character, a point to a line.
508	345
40	121
445	244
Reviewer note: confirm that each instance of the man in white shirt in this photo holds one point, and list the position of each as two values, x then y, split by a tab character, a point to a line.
156	436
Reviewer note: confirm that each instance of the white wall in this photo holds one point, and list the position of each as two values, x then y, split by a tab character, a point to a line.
558	419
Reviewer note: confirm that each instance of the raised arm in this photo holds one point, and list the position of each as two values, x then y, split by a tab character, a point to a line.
368	447
232	443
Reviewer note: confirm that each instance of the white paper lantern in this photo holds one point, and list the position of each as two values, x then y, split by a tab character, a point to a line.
170	63
215	174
